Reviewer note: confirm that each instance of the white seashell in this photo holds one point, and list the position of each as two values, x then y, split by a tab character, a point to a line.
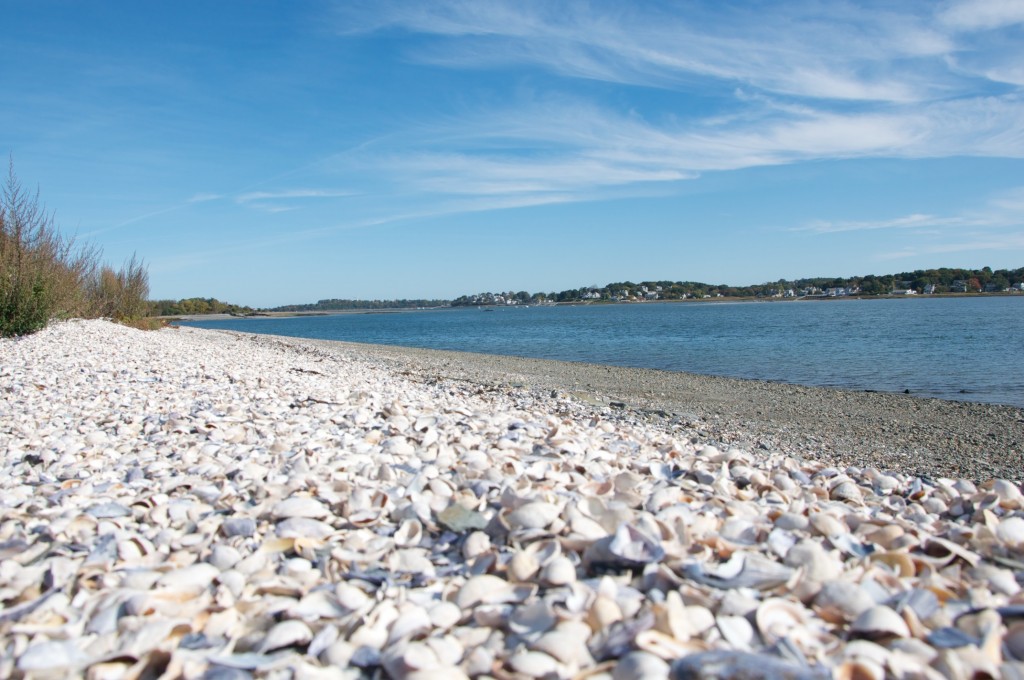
350	597
880	622
533	664
487	589
523	566
224	557
300	506
444	615
847	492
195	577
886	536
559	571
319	604
409	533
286	634
826	525
743	570
530	620
303	527
776	618
842	601
737	631
398	446
603	613
791	521
817	564
567	645
1011	531
477	543
533	515
327	636
1010	496
412	620
1002	581
449	650
338	653
411	561
665	646
400	661
57	655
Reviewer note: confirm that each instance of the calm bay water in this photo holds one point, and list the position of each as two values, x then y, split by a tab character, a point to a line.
952	348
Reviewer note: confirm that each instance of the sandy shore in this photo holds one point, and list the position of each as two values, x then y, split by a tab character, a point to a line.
840	427
199	504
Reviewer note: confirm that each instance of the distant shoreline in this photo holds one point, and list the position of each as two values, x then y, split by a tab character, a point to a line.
579	303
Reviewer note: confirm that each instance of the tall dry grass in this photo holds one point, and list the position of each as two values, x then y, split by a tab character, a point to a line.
46	275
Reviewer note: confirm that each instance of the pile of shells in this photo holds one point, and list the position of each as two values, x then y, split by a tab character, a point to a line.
195	504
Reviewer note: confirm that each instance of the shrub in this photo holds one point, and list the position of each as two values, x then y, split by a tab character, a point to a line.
46	275
121	295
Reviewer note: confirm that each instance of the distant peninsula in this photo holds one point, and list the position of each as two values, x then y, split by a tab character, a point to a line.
942	281
919	282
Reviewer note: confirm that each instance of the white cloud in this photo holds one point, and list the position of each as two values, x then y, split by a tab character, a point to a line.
204	197
998	225
792	83
999	243
472	174
973	15
914	221
587	147
999	212
821	51
291	194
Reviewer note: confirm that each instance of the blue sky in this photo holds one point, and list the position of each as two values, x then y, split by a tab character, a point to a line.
268	153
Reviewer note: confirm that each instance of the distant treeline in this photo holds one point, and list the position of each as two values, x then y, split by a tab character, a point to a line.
336	304
920	281
190	306
944	280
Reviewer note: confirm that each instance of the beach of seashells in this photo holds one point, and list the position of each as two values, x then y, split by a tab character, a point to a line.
197	504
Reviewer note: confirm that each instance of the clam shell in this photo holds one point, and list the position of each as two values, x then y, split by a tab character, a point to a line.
879	622
286	634
534	515
300	506
559	571
487	589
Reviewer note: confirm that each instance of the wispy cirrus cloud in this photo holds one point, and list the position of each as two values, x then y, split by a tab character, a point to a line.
588	147
997	225
289	194
805	81
204	198
963	243
823	51
1002	210
914	221
973	15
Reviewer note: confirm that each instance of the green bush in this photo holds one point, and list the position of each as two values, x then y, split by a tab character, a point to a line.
46	275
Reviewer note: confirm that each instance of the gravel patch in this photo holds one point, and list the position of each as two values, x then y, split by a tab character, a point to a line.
840	427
